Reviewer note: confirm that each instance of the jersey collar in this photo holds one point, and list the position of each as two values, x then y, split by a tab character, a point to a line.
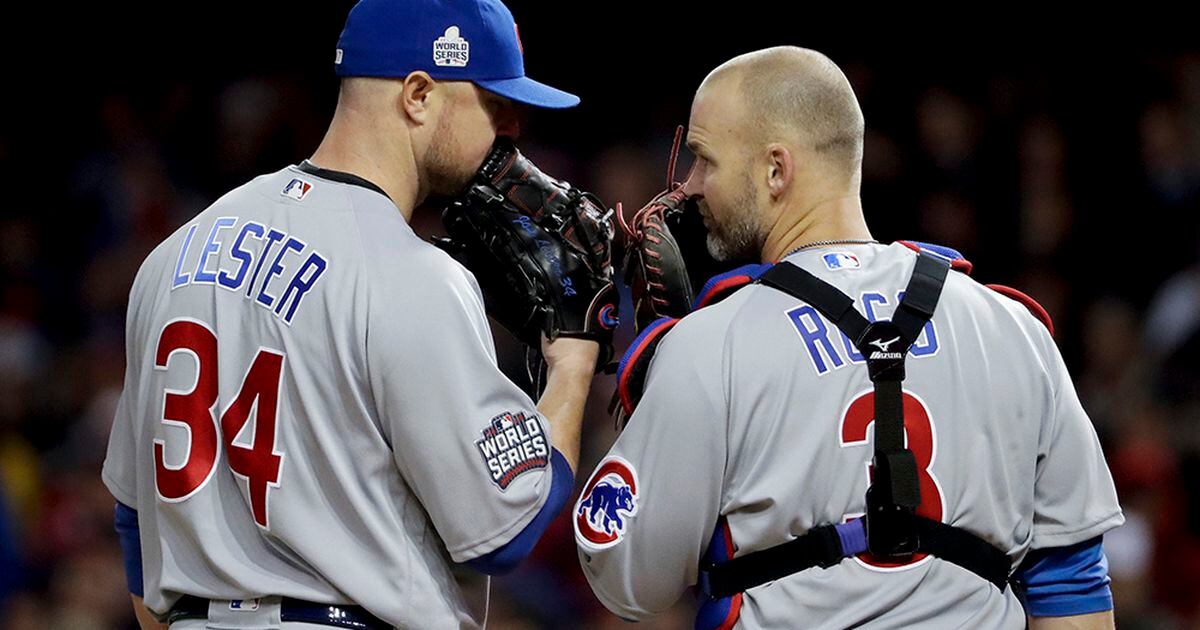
339	176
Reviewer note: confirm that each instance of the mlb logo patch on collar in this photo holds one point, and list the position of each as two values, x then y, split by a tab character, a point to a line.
841	260
297	189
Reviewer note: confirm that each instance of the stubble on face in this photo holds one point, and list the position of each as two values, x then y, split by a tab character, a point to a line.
737	233
446	173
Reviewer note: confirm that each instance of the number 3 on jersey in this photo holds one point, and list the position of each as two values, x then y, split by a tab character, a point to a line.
258	463
918	429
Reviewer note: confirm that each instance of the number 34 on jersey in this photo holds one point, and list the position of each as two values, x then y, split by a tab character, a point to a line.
257	463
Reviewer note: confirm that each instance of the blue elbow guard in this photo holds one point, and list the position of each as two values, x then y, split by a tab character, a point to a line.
126	523
1066	581
507	558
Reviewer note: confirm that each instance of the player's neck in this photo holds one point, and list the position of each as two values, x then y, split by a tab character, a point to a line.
830	219
346	148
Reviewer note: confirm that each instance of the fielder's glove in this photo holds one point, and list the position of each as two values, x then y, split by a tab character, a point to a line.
653	266
540	249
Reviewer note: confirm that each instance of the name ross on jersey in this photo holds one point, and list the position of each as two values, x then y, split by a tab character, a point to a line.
826	354
267	265
513	443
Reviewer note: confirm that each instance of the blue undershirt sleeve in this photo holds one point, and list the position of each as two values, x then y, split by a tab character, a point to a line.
126	523
1065	581
507	558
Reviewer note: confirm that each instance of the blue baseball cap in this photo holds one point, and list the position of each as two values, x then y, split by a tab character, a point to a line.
452	40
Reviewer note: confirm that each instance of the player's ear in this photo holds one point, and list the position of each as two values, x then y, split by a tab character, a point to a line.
780	169
416	99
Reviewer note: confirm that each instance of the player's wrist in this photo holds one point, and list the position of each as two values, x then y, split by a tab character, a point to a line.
569	355
581	366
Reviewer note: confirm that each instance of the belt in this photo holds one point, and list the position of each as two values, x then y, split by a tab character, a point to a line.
294	610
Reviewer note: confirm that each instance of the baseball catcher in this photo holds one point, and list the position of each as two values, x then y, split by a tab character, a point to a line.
843	433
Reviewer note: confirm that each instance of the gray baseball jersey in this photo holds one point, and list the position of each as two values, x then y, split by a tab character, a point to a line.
755	427
312	409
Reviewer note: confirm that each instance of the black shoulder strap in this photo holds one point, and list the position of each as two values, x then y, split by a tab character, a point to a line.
892	529
922	295
836	306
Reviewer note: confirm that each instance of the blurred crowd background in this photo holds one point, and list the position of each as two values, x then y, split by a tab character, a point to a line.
1069	168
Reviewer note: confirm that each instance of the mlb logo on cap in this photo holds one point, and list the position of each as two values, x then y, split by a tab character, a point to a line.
296	189
841	260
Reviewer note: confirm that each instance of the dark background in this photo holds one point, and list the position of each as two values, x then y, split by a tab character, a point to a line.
1062	157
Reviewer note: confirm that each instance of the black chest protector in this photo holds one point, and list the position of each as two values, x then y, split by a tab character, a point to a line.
893	530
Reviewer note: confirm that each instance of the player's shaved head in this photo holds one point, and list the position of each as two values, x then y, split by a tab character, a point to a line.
778	137
796	95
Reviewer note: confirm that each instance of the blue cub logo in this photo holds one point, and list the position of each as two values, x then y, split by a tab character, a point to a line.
608	501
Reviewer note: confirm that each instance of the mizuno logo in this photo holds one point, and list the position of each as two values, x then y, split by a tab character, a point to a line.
883	345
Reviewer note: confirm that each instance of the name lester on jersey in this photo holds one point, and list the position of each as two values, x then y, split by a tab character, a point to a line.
513	443
274	269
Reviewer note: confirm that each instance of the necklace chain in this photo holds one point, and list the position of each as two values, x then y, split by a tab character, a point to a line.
847	241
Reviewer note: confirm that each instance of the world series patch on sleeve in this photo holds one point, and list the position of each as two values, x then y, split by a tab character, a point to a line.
513	443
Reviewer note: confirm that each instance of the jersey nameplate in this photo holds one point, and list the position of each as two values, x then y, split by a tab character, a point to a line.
829	348
269	266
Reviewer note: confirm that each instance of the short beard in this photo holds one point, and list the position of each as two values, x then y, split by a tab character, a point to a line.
446	178
743	236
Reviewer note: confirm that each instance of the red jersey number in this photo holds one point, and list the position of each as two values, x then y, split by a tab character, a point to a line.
258	463
918	429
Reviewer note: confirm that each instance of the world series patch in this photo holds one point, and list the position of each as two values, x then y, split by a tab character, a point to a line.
513	443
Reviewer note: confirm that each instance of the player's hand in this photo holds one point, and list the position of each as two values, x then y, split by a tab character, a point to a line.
570	353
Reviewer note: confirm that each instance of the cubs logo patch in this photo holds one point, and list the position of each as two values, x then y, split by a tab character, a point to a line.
451	49
608	501
841	260
296	189
513	443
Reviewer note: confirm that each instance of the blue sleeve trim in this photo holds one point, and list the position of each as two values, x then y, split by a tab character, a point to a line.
507	558
126	523
716	613
11	563
1066	581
